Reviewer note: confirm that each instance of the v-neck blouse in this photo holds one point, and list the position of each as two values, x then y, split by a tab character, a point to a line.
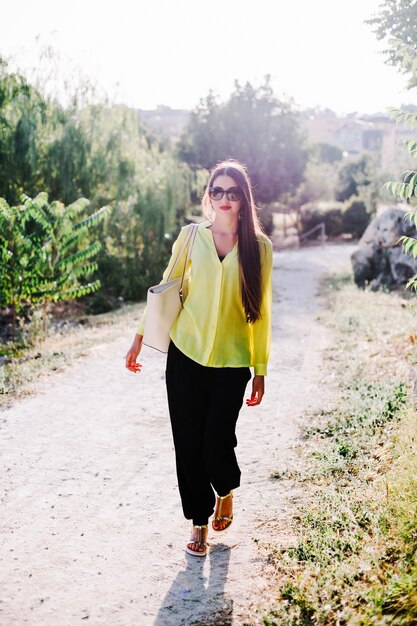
211	328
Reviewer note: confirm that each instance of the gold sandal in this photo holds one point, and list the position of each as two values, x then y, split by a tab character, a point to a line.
219	517
200	542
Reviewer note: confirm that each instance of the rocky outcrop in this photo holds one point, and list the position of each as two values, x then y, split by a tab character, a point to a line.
379	260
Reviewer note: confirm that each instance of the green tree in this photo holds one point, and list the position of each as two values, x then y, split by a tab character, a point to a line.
356	177
138	236
328	153
254	127
22	112
42	145
355	217
66	166
103	152
397	22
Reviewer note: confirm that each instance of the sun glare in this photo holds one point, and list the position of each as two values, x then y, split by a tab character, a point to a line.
144	54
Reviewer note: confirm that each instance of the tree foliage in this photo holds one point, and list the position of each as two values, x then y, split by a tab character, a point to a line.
350	217
397	22
328	153
22	113
256	128
103	152
356	177
397	19
406	190
46	251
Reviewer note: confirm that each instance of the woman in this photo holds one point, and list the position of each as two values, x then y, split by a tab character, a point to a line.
223	329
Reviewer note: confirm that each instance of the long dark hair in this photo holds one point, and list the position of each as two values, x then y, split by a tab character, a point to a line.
249	230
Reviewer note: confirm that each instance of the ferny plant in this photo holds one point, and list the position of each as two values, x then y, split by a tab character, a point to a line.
406	189
46	253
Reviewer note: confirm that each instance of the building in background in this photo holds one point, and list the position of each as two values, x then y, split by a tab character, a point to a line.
377	134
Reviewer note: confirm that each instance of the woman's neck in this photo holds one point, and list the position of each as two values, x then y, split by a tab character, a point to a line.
226	226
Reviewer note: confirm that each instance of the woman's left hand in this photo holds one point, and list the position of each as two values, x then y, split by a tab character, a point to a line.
258	390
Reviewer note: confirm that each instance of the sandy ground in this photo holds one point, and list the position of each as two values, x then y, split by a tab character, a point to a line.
92	528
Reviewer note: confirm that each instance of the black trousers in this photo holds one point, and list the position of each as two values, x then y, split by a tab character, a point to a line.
204	404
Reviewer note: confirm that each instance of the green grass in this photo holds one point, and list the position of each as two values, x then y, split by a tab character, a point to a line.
354	561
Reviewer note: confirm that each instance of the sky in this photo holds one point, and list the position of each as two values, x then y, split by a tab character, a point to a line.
172	52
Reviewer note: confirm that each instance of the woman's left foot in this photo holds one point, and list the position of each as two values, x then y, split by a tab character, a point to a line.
197	546
223	515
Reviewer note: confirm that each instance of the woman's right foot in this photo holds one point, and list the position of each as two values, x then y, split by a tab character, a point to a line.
223	515
197	546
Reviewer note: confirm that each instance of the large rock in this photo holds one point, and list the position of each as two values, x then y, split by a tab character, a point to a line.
379	260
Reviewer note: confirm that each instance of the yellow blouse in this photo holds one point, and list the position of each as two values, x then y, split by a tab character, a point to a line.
211	328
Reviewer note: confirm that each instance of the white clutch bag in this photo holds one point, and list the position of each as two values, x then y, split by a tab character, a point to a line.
164	301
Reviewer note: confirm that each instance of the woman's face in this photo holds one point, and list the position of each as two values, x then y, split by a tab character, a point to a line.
229	203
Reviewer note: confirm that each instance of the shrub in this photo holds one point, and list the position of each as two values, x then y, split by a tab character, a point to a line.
312	215
46	252
357	177
350	218
355	217
267	219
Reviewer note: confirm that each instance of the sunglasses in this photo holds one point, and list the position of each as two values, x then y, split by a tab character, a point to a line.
233	194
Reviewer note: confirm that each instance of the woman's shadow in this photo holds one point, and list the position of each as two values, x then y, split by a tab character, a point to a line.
190	601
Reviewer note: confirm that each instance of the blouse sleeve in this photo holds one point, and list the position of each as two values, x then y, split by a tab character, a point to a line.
177	273
262	328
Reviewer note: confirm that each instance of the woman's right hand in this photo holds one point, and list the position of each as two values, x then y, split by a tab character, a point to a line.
132	355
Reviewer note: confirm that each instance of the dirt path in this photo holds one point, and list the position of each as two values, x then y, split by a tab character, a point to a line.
92	527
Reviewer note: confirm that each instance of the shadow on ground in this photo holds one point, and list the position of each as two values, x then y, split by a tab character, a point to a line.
195	600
